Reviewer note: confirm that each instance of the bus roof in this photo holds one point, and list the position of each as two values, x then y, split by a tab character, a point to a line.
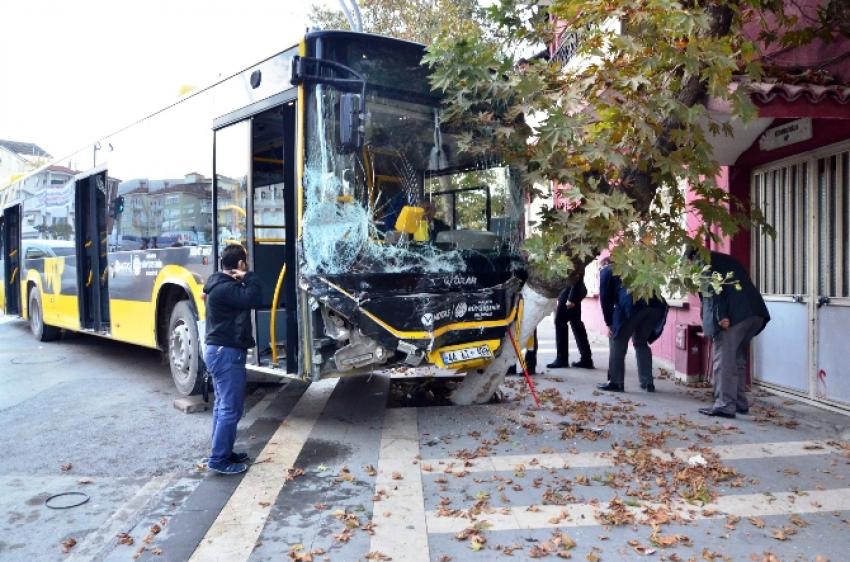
310	36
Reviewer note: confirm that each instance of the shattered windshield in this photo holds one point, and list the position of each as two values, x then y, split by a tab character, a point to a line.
407	200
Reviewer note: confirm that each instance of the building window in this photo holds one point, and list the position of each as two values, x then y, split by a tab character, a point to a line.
806	201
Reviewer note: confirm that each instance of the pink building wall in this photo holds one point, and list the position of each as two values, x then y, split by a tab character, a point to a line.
830	113
737	180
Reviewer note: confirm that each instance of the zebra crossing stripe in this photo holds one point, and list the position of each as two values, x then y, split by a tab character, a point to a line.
741	505
399	515
603	459
235	531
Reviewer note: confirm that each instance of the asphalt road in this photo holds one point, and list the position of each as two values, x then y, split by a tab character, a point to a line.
89	415
340	475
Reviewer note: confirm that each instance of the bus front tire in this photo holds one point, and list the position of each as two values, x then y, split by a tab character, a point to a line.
40	330
187	368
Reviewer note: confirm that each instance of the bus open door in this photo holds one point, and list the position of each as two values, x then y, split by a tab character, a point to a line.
255	207
11	247
92	245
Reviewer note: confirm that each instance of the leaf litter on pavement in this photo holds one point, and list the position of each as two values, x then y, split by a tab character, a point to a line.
650	490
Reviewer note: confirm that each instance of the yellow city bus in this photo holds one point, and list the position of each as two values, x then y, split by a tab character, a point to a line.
378	240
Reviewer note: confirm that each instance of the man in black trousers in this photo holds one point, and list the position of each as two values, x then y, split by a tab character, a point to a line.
569	312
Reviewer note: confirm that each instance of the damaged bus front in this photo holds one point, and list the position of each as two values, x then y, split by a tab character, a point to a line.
408	252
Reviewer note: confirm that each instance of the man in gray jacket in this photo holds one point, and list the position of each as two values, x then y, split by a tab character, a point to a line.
732	317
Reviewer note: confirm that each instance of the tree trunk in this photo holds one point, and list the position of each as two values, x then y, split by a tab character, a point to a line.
478	386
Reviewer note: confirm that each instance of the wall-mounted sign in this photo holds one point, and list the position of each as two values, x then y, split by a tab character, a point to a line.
792	132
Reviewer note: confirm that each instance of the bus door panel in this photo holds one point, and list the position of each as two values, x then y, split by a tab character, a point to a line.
2	266
271	244
11	233
92	262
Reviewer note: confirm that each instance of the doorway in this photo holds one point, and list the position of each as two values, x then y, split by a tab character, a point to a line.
92	262
255	207
804	274
10	229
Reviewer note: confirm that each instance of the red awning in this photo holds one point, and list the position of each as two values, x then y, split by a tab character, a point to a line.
774	101
801	100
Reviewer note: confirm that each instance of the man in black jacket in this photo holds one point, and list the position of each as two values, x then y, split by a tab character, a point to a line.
732	317
641	321
230	296
569	312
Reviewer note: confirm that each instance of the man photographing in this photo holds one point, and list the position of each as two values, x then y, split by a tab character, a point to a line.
230	295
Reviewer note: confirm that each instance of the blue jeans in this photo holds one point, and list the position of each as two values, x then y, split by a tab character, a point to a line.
226	366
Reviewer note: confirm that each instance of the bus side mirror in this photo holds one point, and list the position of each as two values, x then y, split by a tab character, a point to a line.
350	123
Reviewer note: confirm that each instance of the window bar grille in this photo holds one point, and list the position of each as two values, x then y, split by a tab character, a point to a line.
774	272
757	239
839	260
804	227
784	238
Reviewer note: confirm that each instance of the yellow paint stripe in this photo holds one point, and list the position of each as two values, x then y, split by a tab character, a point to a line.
133	321
234	533
273	318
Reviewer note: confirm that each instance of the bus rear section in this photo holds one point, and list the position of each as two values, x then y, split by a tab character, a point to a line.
117	239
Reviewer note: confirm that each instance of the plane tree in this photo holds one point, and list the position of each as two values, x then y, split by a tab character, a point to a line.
621	127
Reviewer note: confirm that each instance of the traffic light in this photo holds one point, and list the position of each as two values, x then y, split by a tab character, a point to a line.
116	207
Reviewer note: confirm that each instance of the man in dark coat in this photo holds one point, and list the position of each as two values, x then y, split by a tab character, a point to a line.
568	315
732	317
641	321
230	295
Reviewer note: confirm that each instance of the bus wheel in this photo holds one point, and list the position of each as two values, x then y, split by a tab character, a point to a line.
183	350
40	330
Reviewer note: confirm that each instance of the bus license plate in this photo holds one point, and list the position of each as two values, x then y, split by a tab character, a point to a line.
466	354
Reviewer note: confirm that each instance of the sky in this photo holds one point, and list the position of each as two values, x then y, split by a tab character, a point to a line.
72	71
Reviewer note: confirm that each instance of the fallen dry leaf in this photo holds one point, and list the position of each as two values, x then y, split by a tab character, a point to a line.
66	467
377	555
293	473
756	521
779	534
798	521
68	544
344	536
125	538
709	556
298	554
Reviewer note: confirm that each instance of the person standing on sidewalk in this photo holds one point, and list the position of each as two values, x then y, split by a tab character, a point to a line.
230	295
641	321
732	317
568	315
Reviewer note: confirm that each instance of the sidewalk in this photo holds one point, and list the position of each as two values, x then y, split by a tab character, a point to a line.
803	413
622	476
